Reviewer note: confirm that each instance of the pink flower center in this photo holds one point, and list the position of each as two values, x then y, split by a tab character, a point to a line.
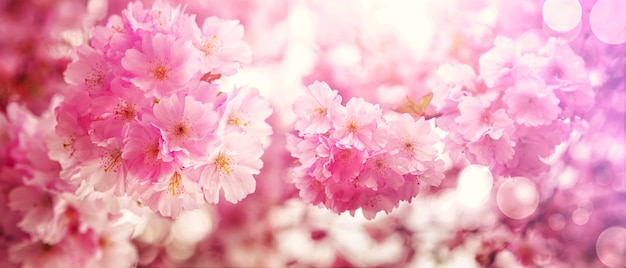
320	111
152	152
557	72
69	144
46	247
409	147
352	126
530	101
380	164
46	202
103	242
486	117
125	112
94	79
181	130
159	72
317	186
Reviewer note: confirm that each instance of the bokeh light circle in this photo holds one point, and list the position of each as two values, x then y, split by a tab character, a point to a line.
608	22
562	15
580	216
611	246
517	198
556	222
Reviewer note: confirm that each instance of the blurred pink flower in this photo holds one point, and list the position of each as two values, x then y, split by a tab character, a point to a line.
530	102
478	119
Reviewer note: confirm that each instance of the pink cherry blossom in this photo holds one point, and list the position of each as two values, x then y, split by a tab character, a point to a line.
342	163
114	247
68	147
306	150
246	112
478	119
531	103
187	127
91	71
562	69
232	167
412	143
380	171
37	208
170	194
311	191
162	65
40	254
142	150
356	124
488	150
104	168
314	108
222	47
500	61
452	80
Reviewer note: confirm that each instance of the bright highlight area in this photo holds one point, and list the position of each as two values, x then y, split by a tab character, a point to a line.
562	15
608	21
474	186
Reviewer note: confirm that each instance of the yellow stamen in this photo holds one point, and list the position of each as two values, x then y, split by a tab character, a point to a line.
223	162
236	121
209	46
176	186
112	160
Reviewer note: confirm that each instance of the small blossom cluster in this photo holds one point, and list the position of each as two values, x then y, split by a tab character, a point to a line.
44	223
353	156
147	118
526	99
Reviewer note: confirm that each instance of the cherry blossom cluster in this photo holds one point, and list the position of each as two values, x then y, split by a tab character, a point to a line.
147	118
355	157
527	97
44	223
